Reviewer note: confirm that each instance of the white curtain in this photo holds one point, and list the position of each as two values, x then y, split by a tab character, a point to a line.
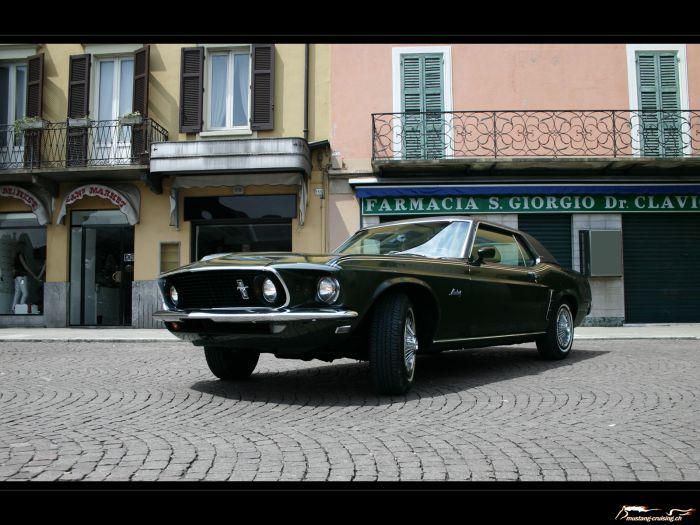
106	91
240	94
219	66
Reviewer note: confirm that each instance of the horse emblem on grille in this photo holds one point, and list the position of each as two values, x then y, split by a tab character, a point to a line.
242	288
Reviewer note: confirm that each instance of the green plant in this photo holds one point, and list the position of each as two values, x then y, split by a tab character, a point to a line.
21	123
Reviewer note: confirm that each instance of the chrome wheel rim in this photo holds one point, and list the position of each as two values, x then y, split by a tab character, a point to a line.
410	344
565	328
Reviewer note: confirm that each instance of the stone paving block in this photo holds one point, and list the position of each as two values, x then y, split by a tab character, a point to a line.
150	411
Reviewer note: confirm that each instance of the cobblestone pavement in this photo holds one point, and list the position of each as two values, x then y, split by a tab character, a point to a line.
616	410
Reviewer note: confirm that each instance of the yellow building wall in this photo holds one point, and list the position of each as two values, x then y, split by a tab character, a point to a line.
164	98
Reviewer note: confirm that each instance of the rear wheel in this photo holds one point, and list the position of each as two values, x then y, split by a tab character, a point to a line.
393	345
229	364
557	342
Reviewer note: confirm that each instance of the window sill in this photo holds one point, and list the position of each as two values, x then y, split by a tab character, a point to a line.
228	133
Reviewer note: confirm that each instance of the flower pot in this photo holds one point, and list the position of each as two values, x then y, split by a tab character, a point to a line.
79	122
130	121
32	124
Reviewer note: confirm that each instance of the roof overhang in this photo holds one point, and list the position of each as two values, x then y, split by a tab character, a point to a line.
231	156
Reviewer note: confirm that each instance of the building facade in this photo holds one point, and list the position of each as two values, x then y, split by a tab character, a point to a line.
118	162
594	149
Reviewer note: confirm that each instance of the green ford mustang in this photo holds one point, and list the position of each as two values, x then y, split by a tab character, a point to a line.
388	293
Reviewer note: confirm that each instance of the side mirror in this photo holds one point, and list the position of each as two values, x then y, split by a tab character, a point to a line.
485	253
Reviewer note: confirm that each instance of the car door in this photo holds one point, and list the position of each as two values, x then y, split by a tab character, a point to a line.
506	297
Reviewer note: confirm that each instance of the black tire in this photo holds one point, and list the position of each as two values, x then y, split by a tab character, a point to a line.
229	364
557	342
392	347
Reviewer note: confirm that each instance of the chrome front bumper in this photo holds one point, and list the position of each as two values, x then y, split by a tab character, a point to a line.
255	316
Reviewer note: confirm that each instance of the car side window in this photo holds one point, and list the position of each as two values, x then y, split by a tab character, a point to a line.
507	249
527	258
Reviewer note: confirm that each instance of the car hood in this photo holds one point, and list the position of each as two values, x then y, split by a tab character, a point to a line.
278	260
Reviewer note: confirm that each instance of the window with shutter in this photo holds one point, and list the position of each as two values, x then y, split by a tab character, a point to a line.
422	105
13	96
659	103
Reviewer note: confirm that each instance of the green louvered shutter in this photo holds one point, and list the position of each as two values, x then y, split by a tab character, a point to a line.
422	104
659	100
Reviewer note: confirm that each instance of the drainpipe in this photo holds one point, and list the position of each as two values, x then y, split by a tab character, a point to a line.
306	92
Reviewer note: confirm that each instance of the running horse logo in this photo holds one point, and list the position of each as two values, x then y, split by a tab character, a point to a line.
631	508
242	288
626	509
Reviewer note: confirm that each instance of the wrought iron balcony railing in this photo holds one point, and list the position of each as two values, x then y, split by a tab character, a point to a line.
78	144
566	133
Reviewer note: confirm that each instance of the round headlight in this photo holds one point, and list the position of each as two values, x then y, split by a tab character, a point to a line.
328	289
173	295
269	290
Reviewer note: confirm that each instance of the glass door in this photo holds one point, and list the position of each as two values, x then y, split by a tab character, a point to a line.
115	87
102	270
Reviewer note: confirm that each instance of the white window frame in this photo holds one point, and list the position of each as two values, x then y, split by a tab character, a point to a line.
231	50
116	145
633	87
396	55
12	89
94	99
17	145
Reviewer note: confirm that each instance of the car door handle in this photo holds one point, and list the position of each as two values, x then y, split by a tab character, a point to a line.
533	275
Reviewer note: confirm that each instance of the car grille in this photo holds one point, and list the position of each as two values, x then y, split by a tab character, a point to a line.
220	289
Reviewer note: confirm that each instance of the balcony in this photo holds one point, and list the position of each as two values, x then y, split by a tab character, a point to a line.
71	146
602	140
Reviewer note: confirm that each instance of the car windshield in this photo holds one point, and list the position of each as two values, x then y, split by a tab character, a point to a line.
428	239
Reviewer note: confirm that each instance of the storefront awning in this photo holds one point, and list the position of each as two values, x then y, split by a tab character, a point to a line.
40	205
126	197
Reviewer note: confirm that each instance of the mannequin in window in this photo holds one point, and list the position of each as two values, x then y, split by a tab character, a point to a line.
22	273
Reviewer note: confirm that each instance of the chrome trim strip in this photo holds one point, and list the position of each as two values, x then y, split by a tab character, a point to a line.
549	304
255	317
485	337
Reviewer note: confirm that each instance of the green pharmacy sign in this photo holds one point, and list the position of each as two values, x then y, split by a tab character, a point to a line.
425	205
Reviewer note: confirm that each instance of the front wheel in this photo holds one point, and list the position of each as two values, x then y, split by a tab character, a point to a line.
393	345
229	364
556	343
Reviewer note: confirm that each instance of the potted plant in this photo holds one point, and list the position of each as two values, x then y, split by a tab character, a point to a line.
26	123
80	122
131	119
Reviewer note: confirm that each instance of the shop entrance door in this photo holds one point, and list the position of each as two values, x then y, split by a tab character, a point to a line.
102	270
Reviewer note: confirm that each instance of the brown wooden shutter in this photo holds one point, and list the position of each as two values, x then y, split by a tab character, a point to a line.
141	73
35	84
78	106
79	86
139	134
263	87
191	89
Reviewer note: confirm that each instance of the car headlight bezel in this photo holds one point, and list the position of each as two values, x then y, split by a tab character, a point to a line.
328	290
270	295
173	295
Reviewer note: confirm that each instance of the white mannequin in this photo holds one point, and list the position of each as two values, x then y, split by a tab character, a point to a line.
21	280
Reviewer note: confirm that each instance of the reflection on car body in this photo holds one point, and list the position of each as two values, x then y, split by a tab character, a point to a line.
387	294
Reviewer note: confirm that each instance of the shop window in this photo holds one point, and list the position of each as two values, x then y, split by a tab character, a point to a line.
22	264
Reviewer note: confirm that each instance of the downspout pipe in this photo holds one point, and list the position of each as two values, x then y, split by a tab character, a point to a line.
306	92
